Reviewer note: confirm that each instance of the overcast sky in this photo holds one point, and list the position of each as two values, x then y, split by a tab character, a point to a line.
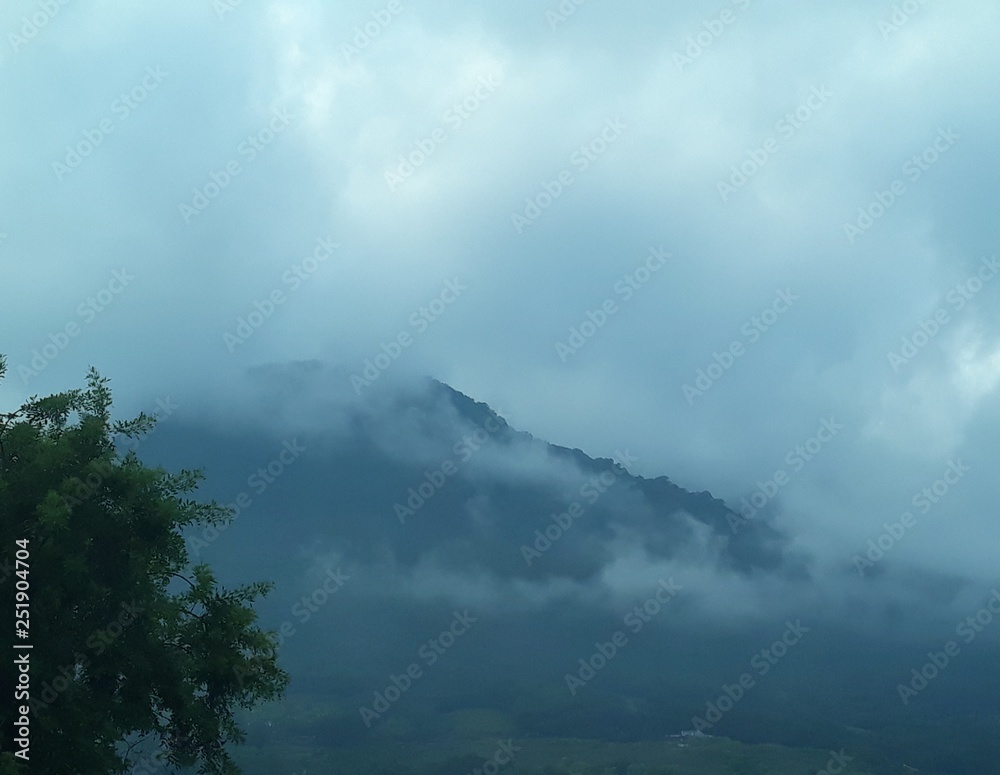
761	222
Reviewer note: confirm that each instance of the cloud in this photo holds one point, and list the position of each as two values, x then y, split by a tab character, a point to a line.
416	89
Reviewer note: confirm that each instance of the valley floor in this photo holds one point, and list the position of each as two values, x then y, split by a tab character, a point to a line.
550	756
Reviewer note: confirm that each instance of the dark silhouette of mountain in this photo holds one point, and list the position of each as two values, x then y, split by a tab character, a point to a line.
430	504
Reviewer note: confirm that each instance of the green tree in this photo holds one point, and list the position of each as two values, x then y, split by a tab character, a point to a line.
134	651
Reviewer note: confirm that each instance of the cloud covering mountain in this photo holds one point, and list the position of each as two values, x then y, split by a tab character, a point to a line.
733	267
383	518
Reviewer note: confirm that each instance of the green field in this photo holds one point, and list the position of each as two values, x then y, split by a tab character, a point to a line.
475	737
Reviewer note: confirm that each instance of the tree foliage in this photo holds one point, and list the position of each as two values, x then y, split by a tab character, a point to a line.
135	653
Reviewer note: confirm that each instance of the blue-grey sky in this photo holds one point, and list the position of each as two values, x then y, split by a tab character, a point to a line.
704	233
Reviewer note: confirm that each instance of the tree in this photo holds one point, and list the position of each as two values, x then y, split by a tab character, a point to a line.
134	652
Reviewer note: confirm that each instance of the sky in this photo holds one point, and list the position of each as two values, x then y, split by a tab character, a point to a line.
752	244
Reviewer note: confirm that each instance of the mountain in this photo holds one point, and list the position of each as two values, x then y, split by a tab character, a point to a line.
431	560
